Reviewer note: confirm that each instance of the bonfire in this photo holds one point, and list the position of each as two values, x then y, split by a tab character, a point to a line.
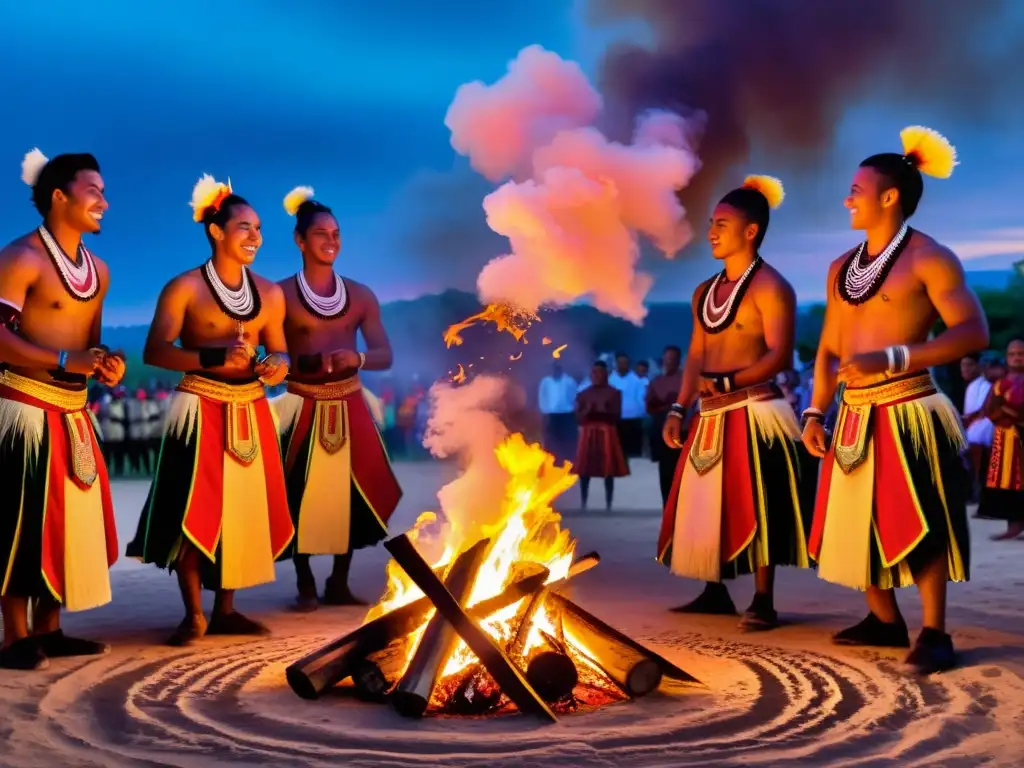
483	629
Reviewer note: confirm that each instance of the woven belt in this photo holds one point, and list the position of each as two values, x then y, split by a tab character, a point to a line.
220	391
331	390
891	391
727	402
59	398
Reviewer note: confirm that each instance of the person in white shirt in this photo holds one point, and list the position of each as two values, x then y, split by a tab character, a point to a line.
634	406
556	397
977	426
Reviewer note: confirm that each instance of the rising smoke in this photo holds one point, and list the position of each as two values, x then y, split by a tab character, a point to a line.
575	203
784	71
466	423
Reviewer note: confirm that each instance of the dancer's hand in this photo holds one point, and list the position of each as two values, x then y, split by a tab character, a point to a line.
273	370
111	368
341	360
84	362
863	369
707	387
813	438
672	431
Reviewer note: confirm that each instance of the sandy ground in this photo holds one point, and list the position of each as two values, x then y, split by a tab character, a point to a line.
788	695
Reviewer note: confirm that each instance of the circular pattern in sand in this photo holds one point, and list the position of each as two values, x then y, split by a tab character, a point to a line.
225	703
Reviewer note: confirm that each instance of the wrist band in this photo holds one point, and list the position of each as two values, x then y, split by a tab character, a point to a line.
213	357
362	360
898	358
310	363
62	359
724	382
811	414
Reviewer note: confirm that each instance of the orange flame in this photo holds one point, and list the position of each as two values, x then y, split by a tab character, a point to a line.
460	375
506	318
527	530
545	341
557	352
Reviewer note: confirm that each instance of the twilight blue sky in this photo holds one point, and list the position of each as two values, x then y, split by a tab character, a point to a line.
350	98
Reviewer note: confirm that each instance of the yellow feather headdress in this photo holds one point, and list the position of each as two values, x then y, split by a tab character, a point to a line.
32	165
768	186
929	151
297	197
208	193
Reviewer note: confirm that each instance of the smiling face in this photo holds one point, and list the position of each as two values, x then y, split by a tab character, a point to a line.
81	208
322	241
729	232
871	200
240	237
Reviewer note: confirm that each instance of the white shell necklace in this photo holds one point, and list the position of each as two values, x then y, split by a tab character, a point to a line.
861	281
240	304
717	317
80	280
323	307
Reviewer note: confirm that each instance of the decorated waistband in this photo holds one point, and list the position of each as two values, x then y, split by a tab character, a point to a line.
222	391
891	391
739	398
40	394
331	390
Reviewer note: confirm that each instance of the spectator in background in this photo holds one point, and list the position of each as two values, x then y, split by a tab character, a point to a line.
599	453
642	369
556	396
977	426
634	408
1002	498
662	392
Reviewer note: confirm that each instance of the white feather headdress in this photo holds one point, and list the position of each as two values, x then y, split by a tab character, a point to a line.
205	193
297	197
32	165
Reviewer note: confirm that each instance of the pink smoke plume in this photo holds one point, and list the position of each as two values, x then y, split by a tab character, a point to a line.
576	203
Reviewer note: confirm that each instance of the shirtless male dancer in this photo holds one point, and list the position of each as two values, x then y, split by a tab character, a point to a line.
341	489
57	529
736	503
217	511
891	503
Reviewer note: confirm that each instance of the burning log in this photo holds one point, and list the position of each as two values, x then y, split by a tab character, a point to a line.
325	667
375	676
412	695
505	674
636	669
553	675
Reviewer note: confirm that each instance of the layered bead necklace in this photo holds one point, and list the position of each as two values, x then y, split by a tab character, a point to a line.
860	281
714	317
323	307
80	278
242	304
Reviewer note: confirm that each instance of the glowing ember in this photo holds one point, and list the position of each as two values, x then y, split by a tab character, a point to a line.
516	357
460	375
545	341
506	319
557	352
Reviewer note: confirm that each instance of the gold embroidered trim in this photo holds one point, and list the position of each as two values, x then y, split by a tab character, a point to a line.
919	385
332	418
220	391
331	390
83	458
58	397
734	400
242	433
707	448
